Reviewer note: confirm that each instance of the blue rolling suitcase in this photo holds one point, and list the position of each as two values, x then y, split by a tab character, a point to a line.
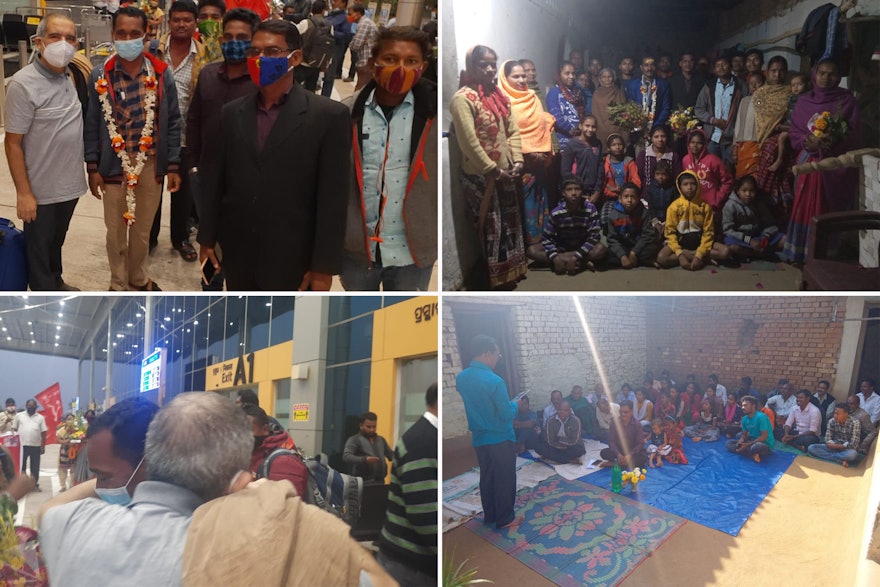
13	260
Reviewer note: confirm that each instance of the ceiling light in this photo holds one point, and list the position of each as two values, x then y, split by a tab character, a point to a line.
60	315
57	336
138	315
129	325
195	322
120	335
58	327
56	344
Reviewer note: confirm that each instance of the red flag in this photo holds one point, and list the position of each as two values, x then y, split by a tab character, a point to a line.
50	399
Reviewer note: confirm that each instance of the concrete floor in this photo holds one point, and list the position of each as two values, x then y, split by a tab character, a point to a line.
809	530
757	276
84	253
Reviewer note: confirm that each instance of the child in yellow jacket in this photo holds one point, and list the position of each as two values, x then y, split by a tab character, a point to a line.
690	233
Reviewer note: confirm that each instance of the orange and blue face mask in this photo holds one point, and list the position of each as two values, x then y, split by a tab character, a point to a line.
265	71
397	79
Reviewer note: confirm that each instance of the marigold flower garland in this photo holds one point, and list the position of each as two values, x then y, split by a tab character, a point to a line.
653	109
131	173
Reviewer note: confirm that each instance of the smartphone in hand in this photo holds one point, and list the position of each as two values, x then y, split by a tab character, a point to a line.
208	271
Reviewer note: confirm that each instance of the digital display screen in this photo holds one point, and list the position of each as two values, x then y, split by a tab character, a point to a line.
151	368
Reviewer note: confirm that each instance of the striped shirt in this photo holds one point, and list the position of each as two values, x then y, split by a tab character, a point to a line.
410	531
566	231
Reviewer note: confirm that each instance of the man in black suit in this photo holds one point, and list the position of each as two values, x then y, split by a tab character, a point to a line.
276	184
686	85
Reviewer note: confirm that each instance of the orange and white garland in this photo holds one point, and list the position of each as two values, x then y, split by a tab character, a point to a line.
130	173
653	109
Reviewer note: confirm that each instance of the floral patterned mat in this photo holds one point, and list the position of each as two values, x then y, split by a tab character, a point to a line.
577	534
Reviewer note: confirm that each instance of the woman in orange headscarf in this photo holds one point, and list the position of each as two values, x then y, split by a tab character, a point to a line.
535	131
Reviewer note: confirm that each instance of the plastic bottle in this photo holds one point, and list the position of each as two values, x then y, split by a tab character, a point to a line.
616	478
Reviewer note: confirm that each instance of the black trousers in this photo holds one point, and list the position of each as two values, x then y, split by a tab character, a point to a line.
182	209
43	240
307	77
497	481
32	453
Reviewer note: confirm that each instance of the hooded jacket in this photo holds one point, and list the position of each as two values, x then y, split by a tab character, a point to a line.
686	216
715	179
628	231
420	201
743	221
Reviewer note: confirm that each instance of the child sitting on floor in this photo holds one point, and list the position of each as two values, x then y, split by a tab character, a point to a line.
690	230
620	169
660	193
673	436
572	233
749	226
705	427
657	446
631	238
582	158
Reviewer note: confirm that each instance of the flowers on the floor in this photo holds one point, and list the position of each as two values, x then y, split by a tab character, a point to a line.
633	477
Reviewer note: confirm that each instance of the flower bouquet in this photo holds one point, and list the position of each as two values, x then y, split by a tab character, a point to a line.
682	120
629	117
827	128
21	562
633	477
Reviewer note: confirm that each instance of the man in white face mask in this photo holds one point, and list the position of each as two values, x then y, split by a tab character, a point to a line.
44	146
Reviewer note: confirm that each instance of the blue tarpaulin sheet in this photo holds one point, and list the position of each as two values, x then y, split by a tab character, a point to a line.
716	488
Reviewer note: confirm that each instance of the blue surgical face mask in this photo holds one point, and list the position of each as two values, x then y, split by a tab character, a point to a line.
129	50
118	495
234	50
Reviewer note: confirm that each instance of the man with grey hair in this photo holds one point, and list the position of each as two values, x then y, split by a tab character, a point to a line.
44	149
198	448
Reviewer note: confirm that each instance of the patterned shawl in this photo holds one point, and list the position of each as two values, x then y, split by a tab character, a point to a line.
770	104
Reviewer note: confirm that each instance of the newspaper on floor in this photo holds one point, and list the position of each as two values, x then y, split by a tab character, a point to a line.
532	474
588	461
464	483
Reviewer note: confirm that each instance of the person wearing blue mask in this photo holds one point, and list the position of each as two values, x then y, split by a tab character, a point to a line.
275	185
219	83
132	143
115	442
197	448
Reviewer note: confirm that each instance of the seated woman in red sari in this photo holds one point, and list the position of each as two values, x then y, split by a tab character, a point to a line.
818	132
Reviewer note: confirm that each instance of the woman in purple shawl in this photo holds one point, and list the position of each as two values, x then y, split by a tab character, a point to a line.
821	192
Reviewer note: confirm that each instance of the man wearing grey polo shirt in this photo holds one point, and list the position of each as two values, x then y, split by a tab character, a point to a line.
44	149
198	448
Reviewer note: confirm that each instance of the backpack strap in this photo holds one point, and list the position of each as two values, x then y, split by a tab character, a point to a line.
266	465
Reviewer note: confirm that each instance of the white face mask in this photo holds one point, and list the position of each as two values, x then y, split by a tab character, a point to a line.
59	53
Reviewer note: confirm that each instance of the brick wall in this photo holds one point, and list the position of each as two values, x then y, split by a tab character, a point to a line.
552	350
765	338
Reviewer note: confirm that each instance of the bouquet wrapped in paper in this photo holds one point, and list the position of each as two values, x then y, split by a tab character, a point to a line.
682	120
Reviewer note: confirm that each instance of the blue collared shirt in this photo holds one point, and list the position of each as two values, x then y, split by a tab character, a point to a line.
386	149
723	100
91	542
490	411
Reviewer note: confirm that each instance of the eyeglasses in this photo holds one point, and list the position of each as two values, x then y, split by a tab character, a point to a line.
266	52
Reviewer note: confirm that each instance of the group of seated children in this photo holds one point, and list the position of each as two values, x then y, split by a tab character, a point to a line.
657	417
703	217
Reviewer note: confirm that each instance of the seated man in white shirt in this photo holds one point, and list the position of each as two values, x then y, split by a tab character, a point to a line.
605	412
803	425
782	405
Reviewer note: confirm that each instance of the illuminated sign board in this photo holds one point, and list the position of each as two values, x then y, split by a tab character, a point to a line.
151	371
